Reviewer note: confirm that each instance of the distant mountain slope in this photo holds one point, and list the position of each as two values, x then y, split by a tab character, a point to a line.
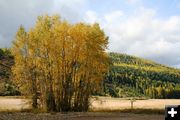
133	76
133	60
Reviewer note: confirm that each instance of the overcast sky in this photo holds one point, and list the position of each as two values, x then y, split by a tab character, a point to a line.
144	28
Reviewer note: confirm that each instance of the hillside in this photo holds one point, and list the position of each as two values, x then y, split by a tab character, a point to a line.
132	76
6	62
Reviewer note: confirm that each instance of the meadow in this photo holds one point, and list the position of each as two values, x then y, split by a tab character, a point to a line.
101	108
96	104
115	104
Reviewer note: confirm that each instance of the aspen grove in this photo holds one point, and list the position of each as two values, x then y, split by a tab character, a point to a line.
58	64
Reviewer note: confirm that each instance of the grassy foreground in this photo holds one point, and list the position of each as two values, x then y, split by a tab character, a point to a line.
80	116
98	104
18	108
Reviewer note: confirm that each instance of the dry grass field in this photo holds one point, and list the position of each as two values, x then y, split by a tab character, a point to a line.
111	107
98	104
105	103
13	103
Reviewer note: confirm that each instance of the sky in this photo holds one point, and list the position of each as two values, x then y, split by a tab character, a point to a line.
145	28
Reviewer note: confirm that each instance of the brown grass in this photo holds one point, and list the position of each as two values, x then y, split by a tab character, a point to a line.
98	104
14	103
115	104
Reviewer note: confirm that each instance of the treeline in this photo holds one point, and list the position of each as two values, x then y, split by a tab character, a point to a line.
128	76
141	77
7	88
59	64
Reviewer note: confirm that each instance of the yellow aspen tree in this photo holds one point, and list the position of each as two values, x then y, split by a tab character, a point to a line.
23	70
65	63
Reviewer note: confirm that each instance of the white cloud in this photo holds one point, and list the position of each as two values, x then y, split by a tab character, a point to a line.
132	1
113	16
71	10
91	17
20	12
144	35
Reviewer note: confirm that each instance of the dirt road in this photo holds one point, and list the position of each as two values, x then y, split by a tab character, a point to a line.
80	116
